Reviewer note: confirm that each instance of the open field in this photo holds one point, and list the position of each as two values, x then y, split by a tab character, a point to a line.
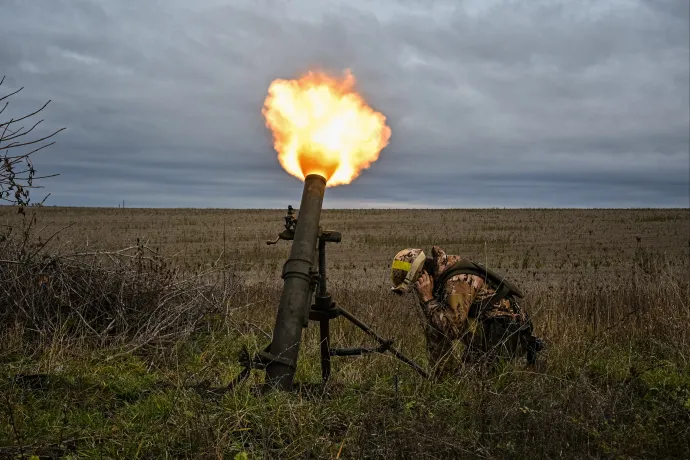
553	243
607	289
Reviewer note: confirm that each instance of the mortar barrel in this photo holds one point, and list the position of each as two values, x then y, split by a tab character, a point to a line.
294	300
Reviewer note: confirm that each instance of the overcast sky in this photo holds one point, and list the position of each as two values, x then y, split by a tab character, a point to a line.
491	103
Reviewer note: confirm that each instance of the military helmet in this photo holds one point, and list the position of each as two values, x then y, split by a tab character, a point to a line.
406	268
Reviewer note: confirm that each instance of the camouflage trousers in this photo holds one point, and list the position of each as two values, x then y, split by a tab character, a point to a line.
500	338
487	342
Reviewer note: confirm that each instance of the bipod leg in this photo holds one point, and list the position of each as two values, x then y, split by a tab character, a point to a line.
323	311
241	377
386	343
247	364
324	328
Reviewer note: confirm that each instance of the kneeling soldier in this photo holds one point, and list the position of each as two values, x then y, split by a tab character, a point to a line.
466	301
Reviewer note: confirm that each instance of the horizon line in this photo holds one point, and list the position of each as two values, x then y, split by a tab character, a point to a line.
555	208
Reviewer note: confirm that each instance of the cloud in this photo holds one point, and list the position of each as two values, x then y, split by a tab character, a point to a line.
540	103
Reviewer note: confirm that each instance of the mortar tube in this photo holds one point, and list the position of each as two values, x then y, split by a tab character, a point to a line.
294	300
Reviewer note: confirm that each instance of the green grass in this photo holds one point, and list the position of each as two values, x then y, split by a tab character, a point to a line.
613	402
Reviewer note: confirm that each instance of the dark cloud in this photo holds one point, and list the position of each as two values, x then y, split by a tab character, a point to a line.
491	103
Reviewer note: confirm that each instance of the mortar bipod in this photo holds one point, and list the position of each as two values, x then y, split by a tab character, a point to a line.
324	310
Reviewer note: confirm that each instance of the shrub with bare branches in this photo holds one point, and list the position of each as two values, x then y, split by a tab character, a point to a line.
17	173
131	295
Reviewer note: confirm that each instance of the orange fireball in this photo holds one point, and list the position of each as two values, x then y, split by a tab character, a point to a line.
321	125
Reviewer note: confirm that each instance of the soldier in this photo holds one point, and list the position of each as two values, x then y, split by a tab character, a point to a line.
464	300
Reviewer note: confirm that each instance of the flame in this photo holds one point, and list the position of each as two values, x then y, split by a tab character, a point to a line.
320	125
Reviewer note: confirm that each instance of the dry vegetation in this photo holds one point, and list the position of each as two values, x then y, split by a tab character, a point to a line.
102	360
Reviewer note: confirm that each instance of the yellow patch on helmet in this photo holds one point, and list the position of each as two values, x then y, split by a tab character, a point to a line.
401	265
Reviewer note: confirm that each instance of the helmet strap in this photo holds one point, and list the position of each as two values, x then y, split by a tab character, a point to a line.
414	269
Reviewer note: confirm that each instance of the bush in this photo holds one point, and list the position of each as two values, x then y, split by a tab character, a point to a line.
131	295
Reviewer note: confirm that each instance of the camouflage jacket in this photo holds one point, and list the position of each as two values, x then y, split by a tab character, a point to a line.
449	317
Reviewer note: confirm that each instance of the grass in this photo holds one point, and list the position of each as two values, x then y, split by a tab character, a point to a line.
616	404
608	290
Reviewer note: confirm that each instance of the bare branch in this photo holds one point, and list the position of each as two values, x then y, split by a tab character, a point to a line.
42	177
39	248
17	173
32	187
11	133
26	116
11	94
4	131
16	134
15	145
26	155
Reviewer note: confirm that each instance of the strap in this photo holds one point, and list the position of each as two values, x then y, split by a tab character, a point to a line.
413	269
501	293
503	288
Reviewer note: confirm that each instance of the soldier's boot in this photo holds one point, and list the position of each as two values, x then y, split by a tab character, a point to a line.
534	346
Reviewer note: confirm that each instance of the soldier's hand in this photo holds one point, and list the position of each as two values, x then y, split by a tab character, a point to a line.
425	287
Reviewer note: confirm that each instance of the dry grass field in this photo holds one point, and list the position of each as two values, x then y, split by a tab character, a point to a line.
101	361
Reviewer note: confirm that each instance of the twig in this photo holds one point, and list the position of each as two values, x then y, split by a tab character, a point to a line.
13	423
48	240
8	95
25	116
23	144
